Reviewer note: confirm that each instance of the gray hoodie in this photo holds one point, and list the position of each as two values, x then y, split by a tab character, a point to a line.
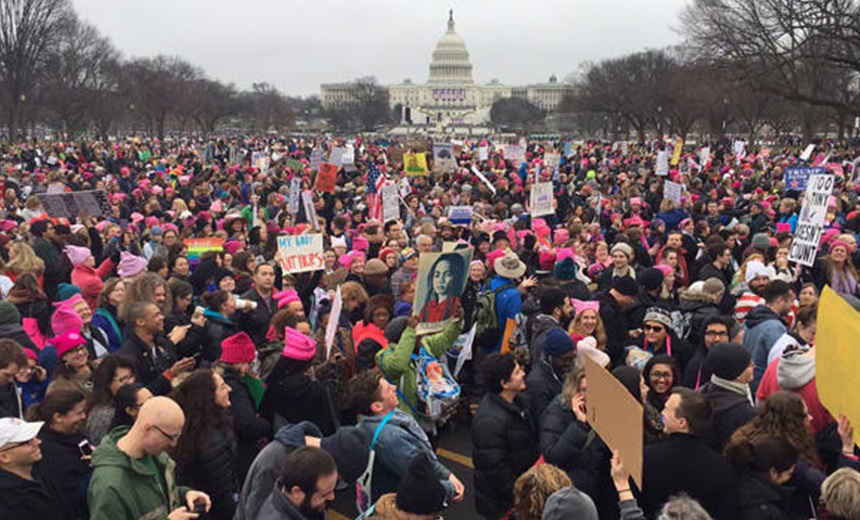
795	370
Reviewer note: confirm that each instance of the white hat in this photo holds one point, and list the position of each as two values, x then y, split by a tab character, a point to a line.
16	430
509	266
756	269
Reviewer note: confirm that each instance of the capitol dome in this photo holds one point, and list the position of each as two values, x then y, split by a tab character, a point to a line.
450	65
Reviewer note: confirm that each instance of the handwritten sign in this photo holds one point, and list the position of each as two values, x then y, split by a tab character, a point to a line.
516	154
295	195
301	253
69	205
541	199
672	191
662	163
327	177
316	159
390	202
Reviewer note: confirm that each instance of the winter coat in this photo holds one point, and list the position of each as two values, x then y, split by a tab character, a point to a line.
150	369
55	272
294	398
91	280
107	320
699	312
66	467
195	338
697	372
16	332
731	410
218	328
542	386
615	320
682	462
256	322
213	471
762	328
10	401
278	507
537	327
247	424
574	447
758	499
37	499
125	487
796	373
509	303
504	447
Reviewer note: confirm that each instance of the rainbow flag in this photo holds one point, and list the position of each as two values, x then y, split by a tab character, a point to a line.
198	246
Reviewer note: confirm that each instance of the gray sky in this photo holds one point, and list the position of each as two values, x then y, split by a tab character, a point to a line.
298	45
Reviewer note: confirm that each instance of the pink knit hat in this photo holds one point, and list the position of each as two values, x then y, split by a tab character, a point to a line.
77	255
580	306
66	318
663	268
360	244
560	236
130	265
285	298
492	256
298	346
238	348
66	342
564	252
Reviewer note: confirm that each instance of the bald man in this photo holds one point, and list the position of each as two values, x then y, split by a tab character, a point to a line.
132	469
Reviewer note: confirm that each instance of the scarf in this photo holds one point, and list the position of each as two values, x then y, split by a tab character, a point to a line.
733	386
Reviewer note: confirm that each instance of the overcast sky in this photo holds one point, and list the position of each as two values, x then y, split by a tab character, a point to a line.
298	45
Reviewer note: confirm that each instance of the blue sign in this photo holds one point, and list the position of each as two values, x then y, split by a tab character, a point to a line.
798	178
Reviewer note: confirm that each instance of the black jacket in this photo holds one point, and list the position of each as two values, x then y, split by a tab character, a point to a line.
216	330
248	426
150	369
542	386
731	411
574	447
193	342
38	499
296	398
65	467
758	499
10	401
697	370
504	447
213	471
616	324
699	312
683	463
255	323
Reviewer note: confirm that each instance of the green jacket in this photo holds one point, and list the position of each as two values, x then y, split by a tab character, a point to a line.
123	487
396	363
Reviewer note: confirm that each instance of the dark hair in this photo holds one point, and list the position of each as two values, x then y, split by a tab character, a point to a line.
716	250
455	262
375	302
59	401
807	315
11	352
215	299
180	288
388	225
196	396
552	299
497	368
304	467
240	261
661	360
174	259
716	320
103	377
363	391
695	408
156	263
775	290
126	397
762	455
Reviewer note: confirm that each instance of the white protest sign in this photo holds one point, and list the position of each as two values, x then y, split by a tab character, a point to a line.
390	202
443	158
673	191
260	160
483	153
316	159
336	155
484	179
805	243
625	147
310	210
704	156
739	148
515	154
807	153
464	343
819	188
295	194
541	199
405	187
552	159
333	320
662	163
460	215
301	253
347	160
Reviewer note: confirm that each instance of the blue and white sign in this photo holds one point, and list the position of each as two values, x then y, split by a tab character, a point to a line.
798	178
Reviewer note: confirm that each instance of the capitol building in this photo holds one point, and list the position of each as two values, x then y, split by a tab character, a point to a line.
451	97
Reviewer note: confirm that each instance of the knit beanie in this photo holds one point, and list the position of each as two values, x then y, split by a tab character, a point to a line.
728	360
375	266
651	278
9	314
565	270
66	342
66	290
238	348
395	329
658	315
761	241
130	265
348	446
625	285
557	342
66	318
624	248
568	503
77	255
420	492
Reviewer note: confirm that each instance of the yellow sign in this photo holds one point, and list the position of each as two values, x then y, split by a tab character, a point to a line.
836	356
679	146
415	164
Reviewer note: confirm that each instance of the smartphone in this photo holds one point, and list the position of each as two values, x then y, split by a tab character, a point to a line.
199	507
198	312
85	448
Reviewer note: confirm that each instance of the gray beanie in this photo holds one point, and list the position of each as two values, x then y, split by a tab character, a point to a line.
569	503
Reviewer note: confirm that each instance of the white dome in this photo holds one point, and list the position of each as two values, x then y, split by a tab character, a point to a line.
450	65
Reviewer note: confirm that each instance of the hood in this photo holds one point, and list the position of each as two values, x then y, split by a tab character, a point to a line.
293	435
688	305
753	491
722	399
108	454
759	315
795	371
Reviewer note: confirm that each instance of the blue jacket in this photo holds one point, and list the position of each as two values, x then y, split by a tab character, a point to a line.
762	328
509	303
399	442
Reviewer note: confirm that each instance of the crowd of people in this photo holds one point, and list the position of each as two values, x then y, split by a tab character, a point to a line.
143	378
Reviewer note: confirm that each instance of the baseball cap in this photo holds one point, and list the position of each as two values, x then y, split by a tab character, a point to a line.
15	430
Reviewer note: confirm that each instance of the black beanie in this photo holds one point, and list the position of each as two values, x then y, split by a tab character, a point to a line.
348	446
395	329
651	278
728	360
625	285
420	492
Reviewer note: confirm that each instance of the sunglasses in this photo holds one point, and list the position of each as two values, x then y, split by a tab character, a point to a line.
654	328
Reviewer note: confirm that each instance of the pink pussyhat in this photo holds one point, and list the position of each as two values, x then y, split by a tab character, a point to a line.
298	346
564	252
580	306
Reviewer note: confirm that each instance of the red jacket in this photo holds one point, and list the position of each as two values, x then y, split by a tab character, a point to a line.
91	281
808	392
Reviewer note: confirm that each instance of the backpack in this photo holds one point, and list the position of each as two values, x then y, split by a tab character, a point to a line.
438	393
364	483
487	330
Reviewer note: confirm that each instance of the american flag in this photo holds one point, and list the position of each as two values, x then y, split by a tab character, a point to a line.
375	181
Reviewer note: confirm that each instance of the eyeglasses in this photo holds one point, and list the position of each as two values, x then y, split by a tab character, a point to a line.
173	438
661	375
31	442
654	328
716	334
124	379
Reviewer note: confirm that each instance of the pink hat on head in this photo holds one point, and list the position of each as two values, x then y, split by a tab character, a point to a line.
546	258
232	246
580	306
831	201
238	348
492	256
66	342
636	201
287	297
130	265
542	230
563	253
150	222
66	318
838	243
783	227
298	346
77	255
560	236
170	226
665	269
136	217
360	244
8	225
521	234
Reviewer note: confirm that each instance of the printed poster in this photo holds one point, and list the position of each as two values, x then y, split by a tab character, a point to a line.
541	199
443	158
441	281
415	164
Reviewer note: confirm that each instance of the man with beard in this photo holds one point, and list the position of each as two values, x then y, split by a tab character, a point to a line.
545	380
556	312
757	277
307	484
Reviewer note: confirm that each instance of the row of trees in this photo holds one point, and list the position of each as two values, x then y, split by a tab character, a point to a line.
58	71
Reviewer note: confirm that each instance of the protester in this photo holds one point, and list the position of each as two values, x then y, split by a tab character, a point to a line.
114	372
728	391
12	359
306	485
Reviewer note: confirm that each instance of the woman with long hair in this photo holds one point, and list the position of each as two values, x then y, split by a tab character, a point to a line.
533	488
106	316
443	288
206	454
129	399
66	452
368	335
181	315
146	287
220	323
114	372
22	259
74	369
836	269
661	374
763	467
587	322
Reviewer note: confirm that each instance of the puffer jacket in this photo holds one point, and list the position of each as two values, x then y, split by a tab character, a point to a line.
213	471
505	447
125	487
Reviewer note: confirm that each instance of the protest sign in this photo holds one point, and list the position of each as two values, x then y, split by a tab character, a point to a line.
567	147
805	243
625	148
460	215
310	210
195	247
441	280
807	153
818	191
443	158
415	164
483	153
260	161
390	202
551	159
295	195
662	163
316	159
336	155
93	203
333	321
676	153
739	148
673	191
484	179
405	187
797	178
704	156
516	154
463	347
616	416
327	177
541	199
301	253
295	166
55	188
347	160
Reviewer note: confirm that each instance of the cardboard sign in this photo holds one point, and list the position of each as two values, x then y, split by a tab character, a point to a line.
835	373
336	155
301	253
616	416
460	215
443	158
662	163
310	210
316	159
441	280
818	191
541	199
483	153
390	202
295	166
797	178
625	148
415	164
327	177
295	195
333	321
673	191
804	246
94	203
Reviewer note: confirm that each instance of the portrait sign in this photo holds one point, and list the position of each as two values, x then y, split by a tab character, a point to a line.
441	280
